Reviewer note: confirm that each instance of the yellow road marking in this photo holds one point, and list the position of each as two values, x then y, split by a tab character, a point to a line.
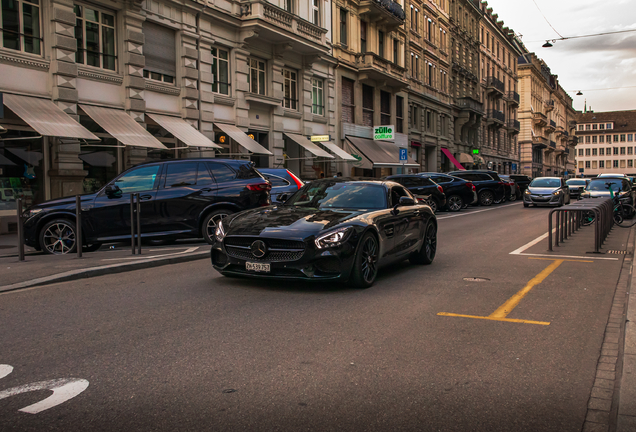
494	319
570	260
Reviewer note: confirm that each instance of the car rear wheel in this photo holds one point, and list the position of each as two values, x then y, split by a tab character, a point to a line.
365	264
426	254
455	203
432	204
486	198
210	222
57	237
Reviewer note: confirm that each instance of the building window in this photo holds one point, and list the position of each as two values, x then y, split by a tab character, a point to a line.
430	74
257	76
615	138
580	162
367	105
221	71
288	5
615	164
315	11
587	139
396	51
601	138
608	126
399	114
159	53
381	44
601	126
593	164
363	37
622	163
430	31
20	26
622	150
608	139
601	164
622	137
615	150
587	152
630	150
594	139
588	127
95	35
290	88
587	164
317	96
609	151
594	152
580	152
343	27
385	108
601	151
347	101
580	127
630	163
594	127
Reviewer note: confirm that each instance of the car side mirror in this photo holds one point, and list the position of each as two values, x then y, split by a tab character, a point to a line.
406	201
112	191
282	198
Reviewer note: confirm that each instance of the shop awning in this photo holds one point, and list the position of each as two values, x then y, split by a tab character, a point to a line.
465	158
479	160
122	127
183	131
5	162
381	153
338	151
308	145
450	156
242	139
46	118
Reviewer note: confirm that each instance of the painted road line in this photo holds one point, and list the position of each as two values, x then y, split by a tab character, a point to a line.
543	237
568	260
494	319
138	257
63	389
477	211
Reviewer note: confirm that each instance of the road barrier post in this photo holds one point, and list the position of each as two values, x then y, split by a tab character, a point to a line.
138	224
78	225
20	231
132	222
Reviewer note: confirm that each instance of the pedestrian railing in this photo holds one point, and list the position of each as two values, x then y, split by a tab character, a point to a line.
570	218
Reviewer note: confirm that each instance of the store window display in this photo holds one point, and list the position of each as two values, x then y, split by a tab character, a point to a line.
21	169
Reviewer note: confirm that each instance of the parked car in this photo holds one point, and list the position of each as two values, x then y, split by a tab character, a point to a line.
577	186
179	198
421	186
331	229
459	192
283	181
512	189
547	191
599	187
490	188
521	180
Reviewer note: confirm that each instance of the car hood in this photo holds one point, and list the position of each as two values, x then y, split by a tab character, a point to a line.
542	190
597	194
287	221
63	202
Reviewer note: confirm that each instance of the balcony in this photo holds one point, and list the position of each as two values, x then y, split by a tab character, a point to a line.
551	145
375	68
383	12
513	98
539	119
567	151
551	126
279	27
495	118
513	126
549	105
468	104
539	142
493	85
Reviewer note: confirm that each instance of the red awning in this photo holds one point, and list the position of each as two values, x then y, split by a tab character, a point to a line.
452	159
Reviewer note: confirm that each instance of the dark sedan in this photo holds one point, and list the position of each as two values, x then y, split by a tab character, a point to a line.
423	188
490	188
459	192
331	229
577	186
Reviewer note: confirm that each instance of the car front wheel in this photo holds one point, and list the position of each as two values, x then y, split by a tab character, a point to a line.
210	222
57	237
486	198
455	203
365	264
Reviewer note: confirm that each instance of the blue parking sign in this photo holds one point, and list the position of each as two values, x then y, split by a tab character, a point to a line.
403	155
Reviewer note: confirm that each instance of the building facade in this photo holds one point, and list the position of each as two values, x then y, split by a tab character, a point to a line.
606	143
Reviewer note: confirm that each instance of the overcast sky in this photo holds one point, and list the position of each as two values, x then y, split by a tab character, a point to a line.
585	64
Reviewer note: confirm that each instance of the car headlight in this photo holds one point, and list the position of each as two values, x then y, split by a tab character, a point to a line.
220	232
527	192
557	192
31	212
333	239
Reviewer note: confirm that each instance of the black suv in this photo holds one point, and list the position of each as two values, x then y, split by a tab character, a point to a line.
420	185
490	188
179	198
459	192
522	181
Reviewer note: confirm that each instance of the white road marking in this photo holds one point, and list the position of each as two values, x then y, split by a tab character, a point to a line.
543	237
5	370
137	257
63	389
477	211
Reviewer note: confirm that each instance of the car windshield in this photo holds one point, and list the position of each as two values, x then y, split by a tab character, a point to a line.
604	185
327	195
546	182
573	182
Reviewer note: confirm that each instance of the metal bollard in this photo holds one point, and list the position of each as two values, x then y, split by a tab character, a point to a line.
132	222
138	225
20	231
78	225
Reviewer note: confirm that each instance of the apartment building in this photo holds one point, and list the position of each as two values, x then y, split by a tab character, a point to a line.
499	51
606	143
92	88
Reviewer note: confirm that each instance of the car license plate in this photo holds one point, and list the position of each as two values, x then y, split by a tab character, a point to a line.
258	267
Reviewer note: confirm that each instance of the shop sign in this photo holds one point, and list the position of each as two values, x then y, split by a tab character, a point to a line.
386	133
475	151
320	138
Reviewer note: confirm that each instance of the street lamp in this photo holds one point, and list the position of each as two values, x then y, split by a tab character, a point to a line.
579	93
547	44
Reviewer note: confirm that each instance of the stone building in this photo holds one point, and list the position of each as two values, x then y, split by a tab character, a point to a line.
93	88
606	143
498	71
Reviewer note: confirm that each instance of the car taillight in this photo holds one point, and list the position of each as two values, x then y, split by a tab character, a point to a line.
439	188
474	188
500	182
296	180
260	187
469	185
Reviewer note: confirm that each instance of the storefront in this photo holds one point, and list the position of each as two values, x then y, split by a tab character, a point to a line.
377	158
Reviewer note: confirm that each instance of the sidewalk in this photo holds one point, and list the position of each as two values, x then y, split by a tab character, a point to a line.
39	268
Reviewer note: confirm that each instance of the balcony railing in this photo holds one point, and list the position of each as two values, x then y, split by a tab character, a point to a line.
470	104
553	124
513	97
495	115
553	144
385	12
549	104
539	141
567	151
514	125
496	84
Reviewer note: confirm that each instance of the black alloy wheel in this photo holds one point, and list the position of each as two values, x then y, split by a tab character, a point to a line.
486	198
432	204
455	203
427	252
57	237
365	265
210	222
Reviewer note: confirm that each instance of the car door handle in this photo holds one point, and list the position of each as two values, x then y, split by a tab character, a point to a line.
145	197
206	190
389	230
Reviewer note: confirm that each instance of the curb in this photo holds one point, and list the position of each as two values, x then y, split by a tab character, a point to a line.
104	270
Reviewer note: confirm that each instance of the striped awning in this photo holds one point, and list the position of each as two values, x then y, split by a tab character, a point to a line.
242	139
183	131
46	118
122	127
338	151
308	145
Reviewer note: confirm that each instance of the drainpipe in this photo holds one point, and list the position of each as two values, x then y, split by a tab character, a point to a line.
198	24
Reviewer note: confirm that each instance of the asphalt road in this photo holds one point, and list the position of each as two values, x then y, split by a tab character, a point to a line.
181	348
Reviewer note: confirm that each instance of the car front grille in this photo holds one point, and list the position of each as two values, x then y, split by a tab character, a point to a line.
278	250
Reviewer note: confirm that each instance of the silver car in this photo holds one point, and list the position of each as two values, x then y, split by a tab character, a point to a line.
551	191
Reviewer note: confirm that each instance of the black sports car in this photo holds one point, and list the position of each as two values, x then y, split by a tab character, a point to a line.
331	229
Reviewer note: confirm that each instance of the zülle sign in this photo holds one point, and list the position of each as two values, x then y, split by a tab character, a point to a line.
386	133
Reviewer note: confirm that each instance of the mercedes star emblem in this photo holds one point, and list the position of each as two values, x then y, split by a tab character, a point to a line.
258	249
